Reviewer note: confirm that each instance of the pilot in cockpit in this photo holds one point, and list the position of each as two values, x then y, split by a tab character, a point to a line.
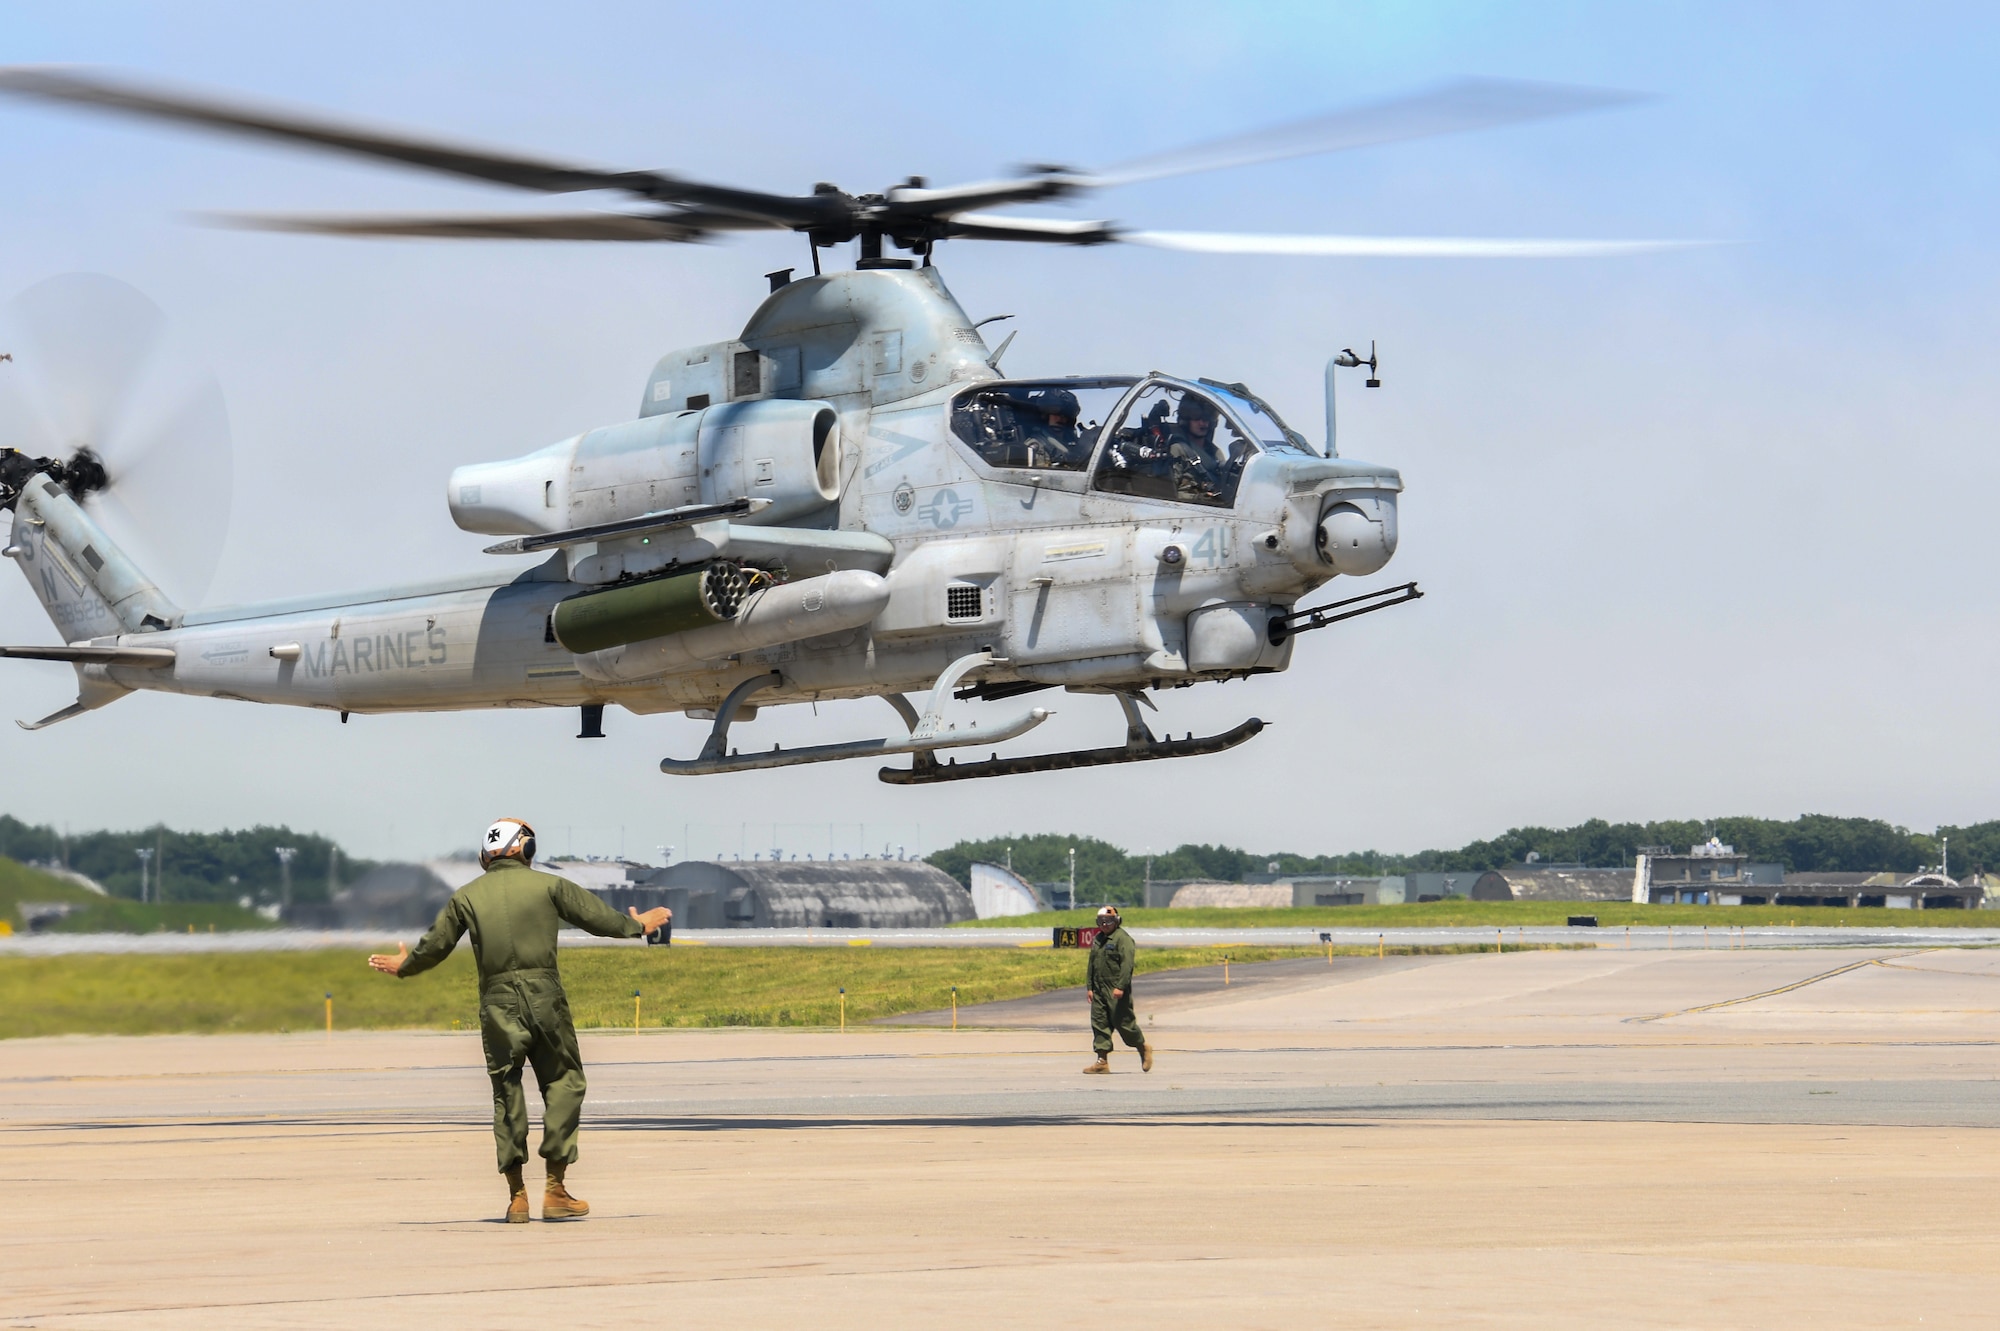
1198	464
1049	427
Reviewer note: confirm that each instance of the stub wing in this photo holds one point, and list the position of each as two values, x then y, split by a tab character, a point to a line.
93	689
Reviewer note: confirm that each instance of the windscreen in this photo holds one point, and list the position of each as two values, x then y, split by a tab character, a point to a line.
1259	419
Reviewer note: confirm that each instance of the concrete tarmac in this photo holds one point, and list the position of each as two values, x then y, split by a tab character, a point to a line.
1538	1138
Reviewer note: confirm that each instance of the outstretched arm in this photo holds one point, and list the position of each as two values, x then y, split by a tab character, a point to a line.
433	947
587	911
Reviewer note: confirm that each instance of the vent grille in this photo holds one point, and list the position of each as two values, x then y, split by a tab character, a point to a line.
964	601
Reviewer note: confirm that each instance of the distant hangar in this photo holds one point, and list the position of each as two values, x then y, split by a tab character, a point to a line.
794	894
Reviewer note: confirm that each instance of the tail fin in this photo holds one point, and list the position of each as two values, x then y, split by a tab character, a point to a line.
87	584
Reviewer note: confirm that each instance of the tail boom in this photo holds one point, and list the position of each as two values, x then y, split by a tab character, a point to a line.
85	582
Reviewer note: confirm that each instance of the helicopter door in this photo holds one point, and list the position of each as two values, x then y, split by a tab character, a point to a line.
1175	444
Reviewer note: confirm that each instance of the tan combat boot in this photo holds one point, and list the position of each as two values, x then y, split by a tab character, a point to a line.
557	1204
1102	1065
517	1197
1146	1057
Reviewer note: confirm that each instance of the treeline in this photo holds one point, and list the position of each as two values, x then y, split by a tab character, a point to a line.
199	866
1814	842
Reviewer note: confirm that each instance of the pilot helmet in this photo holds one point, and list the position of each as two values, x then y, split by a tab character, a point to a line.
507	839
1107	917
1195	407
1054	402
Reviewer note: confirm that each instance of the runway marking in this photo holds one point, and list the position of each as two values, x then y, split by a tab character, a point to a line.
1773	993
1933	970
242	1073
795	1270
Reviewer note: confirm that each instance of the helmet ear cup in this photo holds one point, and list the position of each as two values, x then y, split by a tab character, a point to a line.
527	844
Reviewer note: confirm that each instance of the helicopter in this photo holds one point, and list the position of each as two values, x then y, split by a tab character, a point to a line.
848	499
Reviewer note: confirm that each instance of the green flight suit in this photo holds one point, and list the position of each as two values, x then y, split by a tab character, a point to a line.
513	913
1111	958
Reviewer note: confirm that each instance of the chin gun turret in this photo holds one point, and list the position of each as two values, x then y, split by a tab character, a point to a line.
1357	534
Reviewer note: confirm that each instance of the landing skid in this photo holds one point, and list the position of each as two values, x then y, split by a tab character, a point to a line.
1140	746
932	730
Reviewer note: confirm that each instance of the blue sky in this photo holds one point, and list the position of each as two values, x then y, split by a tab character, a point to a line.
1705	532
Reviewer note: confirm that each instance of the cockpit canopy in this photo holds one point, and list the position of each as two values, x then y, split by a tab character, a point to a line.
1047	426
1156	438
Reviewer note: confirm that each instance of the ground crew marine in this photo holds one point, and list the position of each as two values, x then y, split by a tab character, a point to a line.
1110	983
513	913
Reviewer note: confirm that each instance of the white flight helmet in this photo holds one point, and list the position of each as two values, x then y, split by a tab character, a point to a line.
507	839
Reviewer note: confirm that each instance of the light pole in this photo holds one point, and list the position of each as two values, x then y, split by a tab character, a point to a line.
145	854
1072	877
284	854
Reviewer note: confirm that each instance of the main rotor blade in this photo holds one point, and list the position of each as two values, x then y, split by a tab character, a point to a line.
1453	108
684	227
1393	247
957	200
57	84
1053	230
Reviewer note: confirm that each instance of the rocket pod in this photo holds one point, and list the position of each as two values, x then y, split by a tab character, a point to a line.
767	616
655	608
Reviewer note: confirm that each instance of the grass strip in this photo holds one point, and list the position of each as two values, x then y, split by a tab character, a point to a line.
1506	914
682	986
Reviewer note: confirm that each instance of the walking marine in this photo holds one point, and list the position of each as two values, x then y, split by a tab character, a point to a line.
1110	980
513	913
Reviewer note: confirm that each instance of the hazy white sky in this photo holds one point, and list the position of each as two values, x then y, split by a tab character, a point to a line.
1703	533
